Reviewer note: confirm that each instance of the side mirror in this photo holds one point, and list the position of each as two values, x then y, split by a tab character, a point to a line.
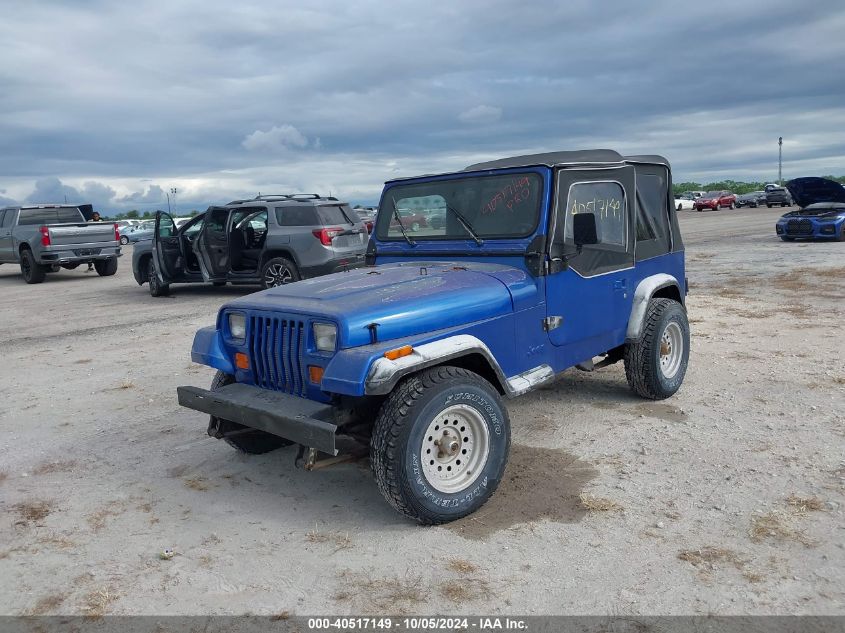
584	230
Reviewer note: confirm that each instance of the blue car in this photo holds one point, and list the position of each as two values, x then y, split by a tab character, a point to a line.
540	263
822	212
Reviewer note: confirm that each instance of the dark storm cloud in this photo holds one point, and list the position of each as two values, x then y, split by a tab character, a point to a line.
227	99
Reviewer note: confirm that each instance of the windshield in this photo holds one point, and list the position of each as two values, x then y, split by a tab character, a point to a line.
503	206
712	194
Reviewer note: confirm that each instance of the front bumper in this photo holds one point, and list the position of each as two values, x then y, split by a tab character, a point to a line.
296	419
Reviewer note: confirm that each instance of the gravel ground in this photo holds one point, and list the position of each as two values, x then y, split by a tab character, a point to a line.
725	499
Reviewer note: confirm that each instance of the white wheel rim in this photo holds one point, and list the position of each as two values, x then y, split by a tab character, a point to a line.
671	350
455	449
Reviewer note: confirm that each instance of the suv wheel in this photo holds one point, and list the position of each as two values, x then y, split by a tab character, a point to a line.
157	289
655	364
278	272
32	271
124	240
440	444
243	438
733	206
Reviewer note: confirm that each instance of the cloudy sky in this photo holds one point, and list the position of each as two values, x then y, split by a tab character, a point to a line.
116	103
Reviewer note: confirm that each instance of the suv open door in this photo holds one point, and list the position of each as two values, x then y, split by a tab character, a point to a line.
212	244
167	251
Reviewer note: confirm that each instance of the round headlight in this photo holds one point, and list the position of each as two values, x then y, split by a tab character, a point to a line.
237	326
325	336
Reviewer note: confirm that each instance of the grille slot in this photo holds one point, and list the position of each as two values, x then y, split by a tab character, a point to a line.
276	346
799	227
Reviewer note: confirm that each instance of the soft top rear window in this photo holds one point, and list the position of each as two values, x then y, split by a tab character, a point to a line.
29	217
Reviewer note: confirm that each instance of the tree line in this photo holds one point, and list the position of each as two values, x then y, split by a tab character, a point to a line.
734	186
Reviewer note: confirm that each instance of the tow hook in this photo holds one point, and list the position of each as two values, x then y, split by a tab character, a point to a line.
214	428
303	461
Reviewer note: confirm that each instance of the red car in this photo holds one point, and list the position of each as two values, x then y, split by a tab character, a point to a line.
411	220
716	200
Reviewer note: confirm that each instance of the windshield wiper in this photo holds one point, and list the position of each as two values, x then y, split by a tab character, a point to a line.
466	224
401	226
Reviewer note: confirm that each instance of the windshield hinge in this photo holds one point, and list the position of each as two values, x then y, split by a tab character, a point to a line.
552	322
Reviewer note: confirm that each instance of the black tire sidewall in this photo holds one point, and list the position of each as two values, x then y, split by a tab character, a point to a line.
157	289
291	266
417	489
668	386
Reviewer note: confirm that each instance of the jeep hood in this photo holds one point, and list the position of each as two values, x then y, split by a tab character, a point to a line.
404	299
807	191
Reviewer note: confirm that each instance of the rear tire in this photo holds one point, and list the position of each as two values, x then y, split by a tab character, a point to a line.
437	483
157	289
32	271
656	363
278	272
106	267
124	240
251	442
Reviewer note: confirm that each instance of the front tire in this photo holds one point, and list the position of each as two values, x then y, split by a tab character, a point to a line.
278	272
124	240
157	289
32	271
440	444
243	438
106	267
733	206
656	363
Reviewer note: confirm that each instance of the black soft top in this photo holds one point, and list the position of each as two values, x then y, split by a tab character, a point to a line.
578	157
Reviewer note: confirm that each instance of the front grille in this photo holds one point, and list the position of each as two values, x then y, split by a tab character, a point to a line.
276	346
799	227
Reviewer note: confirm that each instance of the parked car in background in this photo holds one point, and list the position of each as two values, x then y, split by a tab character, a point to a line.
124	227
410	220
716	200
822	212
778	195
45	238
753	199
684	202
267	240
142	231
368	217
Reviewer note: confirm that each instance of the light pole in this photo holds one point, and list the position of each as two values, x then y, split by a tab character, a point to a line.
174	191
780	160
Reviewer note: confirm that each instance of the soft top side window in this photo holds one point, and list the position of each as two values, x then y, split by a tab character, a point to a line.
606	201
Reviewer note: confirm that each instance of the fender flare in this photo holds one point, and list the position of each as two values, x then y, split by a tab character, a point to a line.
642	295
384	373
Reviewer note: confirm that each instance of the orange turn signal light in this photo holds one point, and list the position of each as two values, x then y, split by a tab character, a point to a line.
241	360
393	354
315	374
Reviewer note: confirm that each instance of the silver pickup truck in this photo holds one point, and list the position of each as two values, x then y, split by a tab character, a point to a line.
48	237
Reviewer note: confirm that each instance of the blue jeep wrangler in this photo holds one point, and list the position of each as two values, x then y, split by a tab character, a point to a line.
483	284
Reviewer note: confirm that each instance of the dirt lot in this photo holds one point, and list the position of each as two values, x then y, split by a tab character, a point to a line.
728	498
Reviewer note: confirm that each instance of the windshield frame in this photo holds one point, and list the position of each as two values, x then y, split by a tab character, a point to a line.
385	215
